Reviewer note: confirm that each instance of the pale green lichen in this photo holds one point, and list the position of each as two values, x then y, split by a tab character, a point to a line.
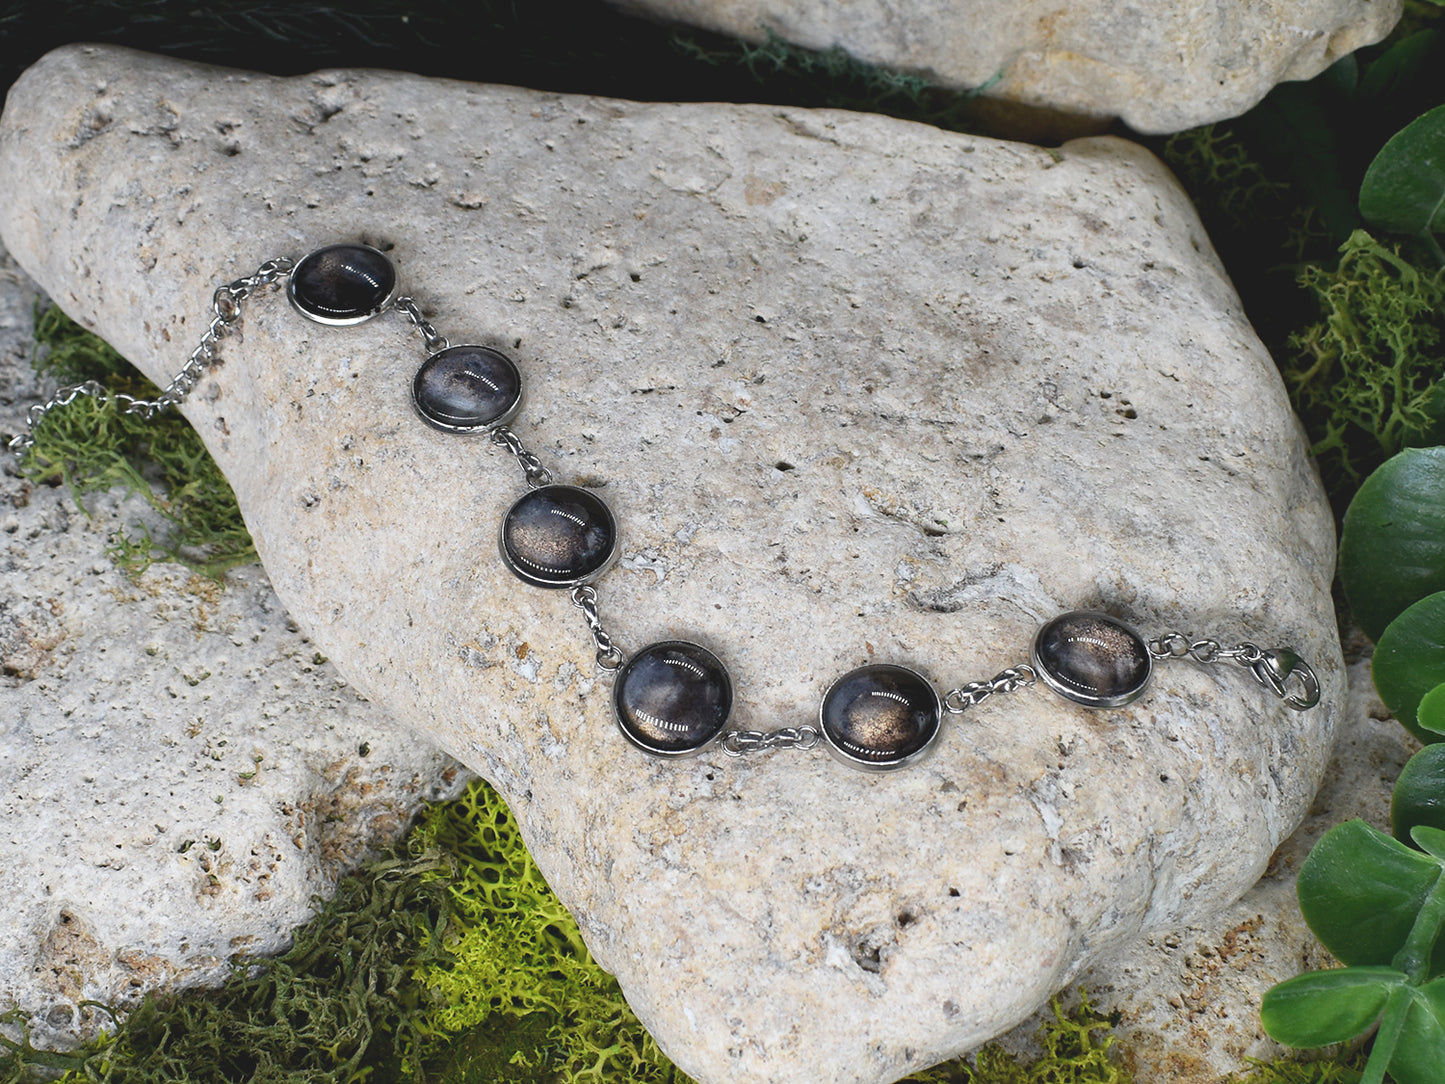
1075	1049
1342	1069
523	994
1367	377
450	961
517	960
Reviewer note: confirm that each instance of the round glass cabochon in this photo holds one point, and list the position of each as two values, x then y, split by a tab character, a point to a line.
342	284
880	716
466	388
1092	659
558	536
672	698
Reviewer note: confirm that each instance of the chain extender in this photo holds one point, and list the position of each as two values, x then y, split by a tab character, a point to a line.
1280	669
225	303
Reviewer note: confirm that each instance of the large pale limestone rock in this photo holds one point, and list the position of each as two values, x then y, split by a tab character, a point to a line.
181	773
1188	1000
1160	66
857	390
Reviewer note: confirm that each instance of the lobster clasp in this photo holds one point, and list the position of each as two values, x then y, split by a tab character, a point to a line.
1288	676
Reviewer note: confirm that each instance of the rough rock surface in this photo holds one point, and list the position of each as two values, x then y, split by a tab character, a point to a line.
857	390
1189	998
1161	67
180	770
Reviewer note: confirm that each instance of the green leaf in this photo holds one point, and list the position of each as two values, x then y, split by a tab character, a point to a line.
1431	712
1323	1007
1295	132
1410	661
1343	76
1360	892
1420	1050
1404	188
1419	794
1398	65
1428	428
1392	550
1429	839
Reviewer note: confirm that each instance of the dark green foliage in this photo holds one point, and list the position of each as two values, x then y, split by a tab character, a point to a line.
1235	196
1409	661
1378	906
1404	188
89	446
1361	892
1353	321
1419	794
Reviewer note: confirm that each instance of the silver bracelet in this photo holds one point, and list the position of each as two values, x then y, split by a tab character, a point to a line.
674	698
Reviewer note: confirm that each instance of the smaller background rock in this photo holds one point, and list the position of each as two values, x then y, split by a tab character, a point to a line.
180	772
1158	67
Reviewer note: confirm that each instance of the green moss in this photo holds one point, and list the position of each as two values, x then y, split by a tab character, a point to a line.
1343	1069
450	960
1256	221
1357	330
90	446
519	990
1075	1051
522	995
1231	189
335	1008
1367	377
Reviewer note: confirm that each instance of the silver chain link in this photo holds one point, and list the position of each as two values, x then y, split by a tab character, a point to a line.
959	700
737	742
609	656
408	308
225	303
1175	645
537	475
1278	669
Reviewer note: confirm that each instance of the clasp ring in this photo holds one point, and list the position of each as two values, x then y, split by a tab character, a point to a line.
1277	669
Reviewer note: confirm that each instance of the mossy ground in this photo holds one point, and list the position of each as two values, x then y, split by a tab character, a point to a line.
449	959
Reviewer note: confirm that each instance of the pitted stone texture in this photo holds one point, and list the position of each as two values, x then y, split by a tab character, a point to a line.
181	773
1189	999
858	391
1160	67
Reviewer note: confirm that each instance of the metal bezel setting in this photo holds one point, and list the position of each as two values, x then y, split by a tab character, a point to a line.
1069	692
343	321
854	760
558	582
620	681
502	419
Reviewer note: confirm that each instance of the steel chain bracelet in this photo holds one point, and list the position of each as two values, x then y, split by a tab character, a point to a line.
674	698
